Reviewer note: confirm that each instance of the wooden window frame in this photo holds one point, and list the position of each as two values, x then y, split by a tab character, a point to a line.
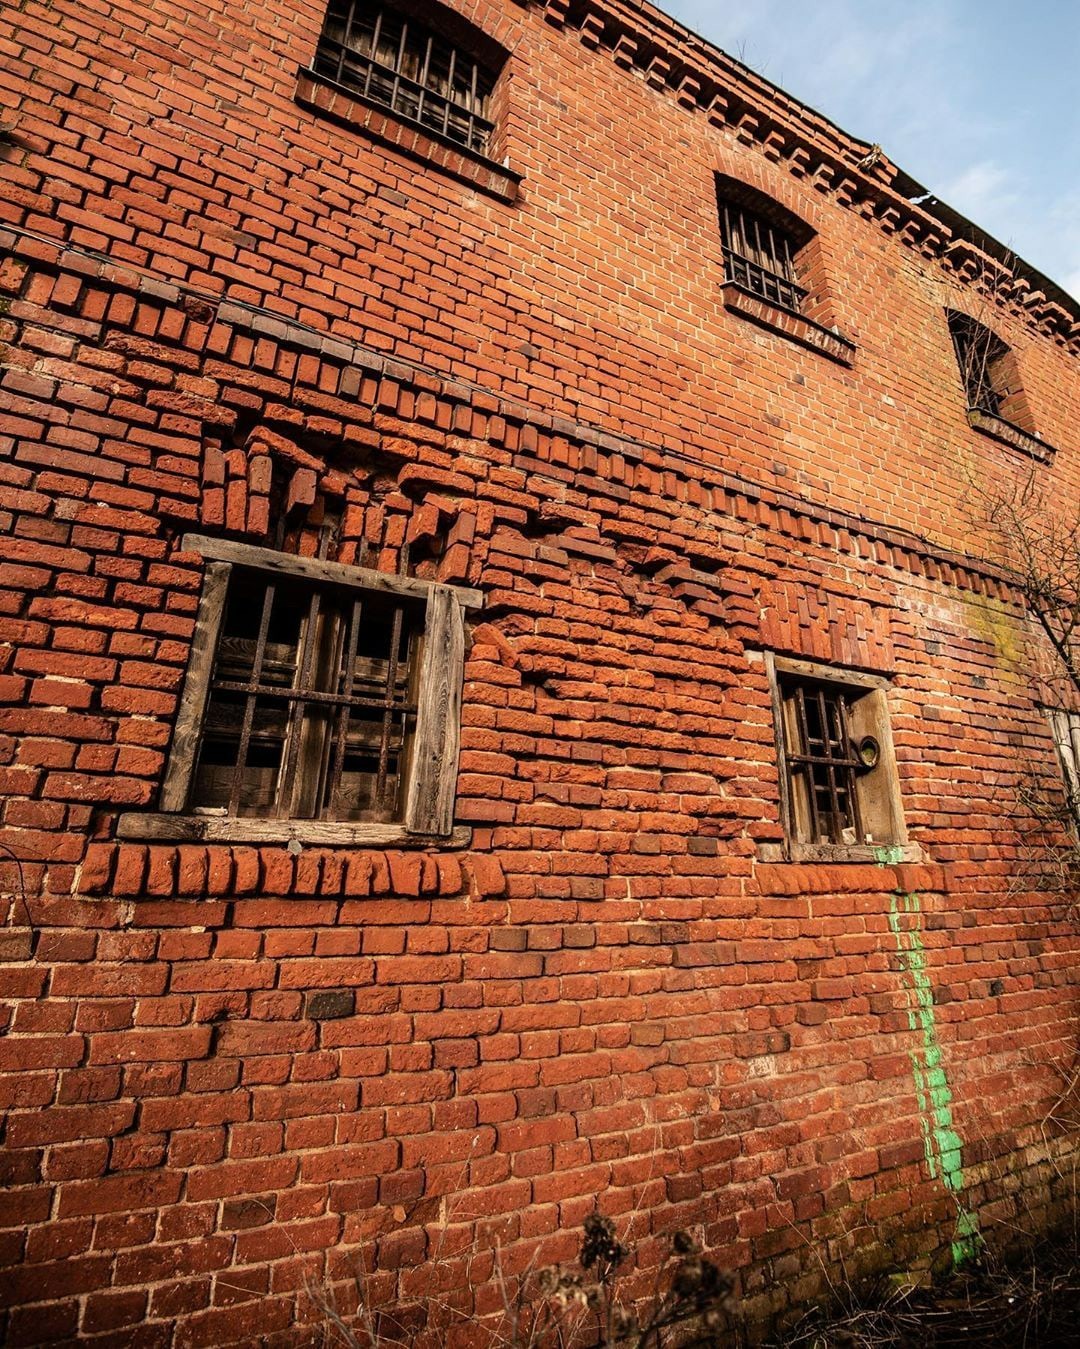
1065	728
428	807
877	789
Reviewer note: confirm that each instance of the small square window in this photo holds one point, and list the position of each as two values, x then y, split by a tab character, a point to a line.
321	702
838	782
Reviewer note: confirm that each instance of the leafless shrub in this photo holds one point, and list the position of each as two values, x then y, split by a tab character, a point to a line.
557	1308
992	1304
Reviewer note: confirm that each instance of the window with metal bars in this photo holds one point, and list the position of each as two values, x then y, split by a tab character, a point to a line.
759	256
982	357
394	59
316	695
838	775
312	702
823	761
1066	729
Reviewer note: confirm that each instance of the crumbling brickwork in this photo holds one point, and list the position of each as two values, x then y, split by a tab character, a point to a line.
237	1071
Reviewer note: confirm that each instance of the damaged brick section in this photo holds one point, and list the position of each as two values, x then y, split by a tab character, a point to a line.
491	891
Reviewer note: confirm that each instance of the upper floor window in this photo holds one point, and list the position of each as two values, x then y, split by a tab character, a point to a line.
984	364
436	77
761	245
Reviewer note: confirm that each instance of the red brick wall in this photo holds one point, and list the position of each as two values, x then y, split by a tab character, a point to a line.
232	1073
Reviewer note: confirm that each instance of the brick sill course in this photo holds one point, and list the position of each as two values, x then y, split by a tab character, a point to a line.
840	852
1009	434
164	827
380	123
797	327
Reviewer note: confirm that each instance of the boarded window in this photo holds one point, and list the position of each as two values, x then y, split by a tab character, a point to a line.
319	692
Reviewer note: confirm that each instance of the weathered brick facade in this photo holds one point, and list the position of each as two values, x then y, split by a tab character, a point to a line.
232	1070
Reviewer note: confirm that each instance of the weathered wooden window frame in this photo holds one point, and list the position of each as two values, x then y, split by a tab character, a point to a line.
878	788
1065	728
432	770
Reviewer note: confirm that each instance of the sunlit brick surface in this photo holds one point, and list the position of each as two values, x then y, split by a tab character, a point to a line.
234	1072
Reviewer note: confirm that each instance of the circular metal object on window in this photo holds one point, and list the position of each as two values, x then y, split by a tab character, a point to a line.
868	751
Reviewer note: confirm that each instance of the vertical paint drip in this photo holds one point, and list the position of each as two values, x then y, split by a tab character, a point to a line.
932	1091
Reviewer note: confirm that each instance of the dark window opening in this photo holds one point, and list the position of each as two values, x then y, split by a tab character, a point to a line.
758	256
312	703
823	760
763	245
984	362
398	61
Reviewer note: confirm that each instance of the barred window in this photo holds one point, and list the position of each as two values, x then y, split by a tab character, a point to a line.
394	59
838	773
321	701
312	702
983	359
759	256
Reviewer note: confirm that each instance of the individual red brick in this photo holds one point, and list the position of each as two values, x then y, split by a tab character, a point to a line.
115	1194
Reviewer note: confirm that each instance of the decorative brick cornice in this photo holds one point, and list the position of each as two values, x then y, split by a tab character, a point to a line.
857	176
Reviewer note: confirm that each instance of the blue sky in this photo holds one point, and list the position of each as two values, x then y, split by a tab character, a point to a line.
977	99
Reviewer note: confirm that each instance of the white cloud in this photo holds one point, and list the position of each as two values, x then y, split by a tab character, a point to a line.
979	182
980	187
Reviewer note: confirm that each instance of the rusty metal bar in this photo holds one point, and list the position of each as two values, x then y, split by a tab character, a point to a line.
249	705
389	709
